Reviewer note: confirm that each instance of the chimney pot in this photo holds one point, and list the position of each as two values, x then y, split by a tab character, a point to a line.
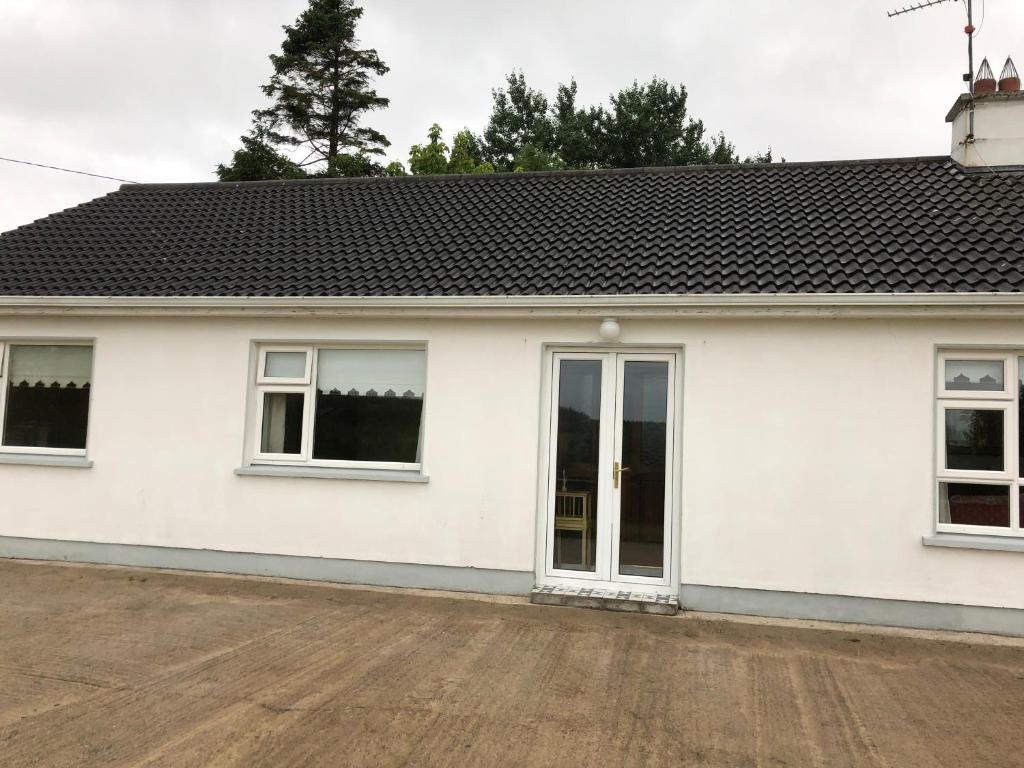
1009	79
985	81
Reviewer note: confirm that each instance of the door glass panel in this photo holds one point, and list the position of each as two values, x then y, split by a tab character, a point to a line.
577	452
1020	416
642	480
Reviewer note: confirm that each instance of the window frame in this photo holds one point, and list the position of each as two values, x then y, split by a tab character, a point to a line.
305	459
1008	402
1008	359
262	378
5	362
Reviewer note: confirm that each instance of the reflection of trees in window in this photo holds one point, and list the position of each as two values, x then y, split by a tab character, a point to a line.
974	439
577	449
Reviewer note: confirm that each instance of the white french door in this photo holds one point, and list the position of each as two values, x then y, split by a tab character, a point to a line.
611	458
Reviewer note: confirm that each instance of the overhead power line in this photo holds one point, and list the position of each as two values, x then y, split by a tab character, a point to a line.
67	170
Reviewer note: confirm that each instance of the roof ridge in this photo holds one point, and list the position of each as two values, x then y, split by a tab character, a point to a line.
463	177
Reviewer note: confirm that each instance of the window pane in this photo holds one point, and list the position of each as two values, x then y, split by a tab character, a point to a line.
578	449
285	365
974	375
974	439
642	499
967	504
48	396
282	422
369	404
1020	415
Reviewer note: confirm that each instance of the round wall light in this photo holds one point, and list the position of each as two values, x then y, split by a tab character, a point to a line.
610	329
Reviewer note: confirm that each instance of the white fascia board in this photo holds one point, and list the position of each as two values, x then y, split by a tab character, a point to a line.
734	305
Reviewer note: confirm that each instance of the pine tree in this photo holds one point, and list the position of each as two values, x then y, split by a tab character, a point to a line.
321	89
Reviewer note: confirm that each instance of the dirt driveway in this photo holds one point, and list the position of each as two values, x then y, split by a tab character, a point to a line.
103	666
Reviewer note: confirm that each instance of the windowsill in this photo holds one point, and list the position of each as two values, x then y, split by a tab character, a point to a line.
332	473
45	460
974	541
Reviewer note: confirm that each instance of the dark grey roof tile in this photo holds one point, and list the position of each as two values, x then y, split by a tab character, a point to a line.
914	225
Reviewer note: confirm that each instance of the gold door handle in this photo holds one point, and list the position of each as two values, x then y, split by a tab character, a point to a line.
617	470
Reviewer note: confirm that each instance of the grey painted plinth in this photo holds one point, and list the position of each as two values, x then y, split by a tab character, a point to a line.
851	609
412	575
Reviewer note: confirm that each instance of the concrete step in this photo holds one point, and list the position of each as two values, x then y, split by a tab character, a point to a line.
663	603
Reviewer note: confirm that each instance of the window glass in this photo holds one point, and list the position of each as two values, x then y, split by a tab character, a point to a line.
369	405
282	422
285	365
974	439
974	375
577	452
1020	416
974	504
47	396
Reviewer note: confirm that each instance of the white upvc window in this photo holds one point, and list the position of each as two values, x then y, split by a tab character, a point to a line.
338	405
980	467
44	397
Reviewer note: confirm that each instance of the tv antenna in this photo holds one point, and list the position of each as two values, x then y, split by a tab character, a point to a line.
969	31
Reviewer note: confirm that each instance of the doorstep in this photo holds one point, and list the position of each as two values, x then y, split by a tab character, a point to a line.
664	603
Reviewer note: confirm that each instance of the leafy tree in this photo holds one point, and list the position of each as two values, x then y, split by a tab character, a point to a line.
643	125
353	165
429	158
577	131
320	90
395	168
467	155
648	125
257	161
531	158
433	157
519	117
766	157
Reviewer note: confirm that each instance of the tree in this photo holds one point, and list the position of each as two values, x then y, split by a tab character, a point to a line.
256	161
429	158
432	158
467	155
519	117
647	125
643	125
762	158
321	90
577	132
531	158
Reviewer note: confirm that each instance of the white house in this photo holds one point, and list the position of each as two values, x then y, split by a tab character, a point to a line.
789	390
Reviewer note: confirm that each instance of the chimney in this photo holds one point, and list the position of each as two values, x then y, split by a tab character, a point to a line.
988	128
1009	80
985	82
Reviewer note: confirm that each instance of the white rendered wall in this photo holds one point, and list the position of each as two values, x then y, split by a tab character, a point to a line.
807	453
998	132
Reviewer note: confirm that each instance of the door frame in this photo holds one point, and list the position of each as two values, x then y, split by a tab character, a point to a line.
673	535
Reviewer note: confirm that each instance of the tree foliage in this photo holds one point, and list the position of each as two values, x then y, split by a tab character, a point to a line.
644	124
320	91
519	117
434	158
258	161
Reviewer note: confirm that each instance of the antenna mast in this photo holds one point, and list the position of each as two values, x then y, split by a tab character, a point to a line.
969	31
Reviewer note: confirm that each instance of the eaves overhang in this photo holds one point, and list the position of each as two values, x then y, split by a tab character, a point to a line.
882	305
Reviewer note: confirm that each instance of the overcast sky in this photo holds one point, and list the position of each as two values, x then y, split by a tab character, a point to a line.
160	90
